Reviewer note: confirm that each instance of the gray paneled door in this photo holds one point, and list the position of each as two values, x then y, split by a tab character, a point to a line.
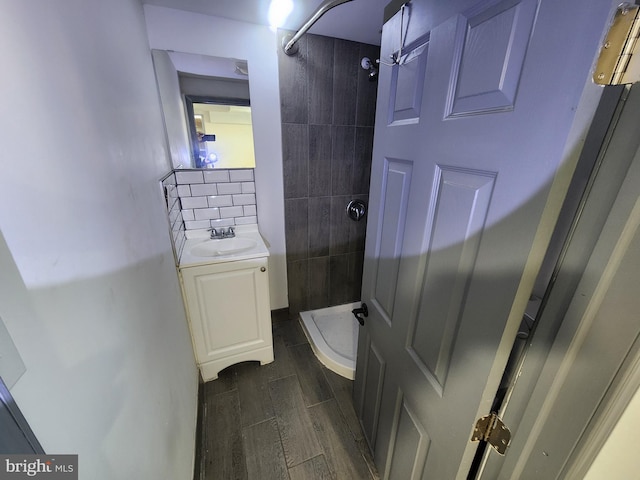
475	118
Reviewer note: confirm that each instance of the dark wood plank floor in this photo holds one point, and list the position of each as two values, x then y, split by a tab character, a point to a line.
292	419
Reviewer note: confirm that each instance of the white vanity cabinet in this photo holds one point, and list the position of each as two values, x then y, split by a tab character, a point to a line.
229	315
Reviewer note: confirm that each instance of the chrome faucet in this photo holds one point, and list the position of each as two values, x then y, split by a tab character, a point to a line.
222	233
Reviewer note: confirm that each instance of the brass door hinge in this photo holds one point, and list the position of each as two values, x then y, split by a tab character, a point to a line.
619	59
492	430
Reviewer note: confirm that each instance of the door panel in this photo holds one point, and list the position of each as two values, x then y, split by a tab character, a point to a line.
410	444
493	41
461	202
372	394
407	82
396	183
460	212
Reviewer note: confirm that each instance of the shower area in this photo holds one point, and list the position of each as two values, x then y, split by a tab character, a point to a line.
328	101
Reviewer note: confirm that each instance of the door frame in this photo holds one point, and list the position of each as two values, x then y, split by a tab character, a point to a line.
14	427
551	344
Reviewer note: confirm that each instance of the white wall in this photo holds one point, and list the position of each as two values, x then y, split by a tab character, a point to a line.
89	289
619	457
170	29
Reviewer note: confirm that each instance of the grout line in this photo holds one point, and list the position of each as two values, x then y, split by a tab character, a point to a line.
235	389
286	376
326	401
258	423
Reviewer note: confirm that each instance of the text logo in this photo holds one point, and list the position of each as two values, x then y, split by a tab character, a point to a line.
50	467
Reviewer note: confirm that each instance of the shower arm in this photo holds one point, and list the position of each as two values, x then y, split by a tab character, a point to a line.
322	9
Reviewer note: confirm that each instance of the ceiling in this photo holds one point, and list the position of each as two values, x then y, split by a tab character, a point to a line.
357	20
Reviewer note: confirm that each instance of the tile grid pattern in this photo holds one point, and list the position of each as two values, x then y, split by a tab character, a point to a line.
174	212
328	110
291	419
217	198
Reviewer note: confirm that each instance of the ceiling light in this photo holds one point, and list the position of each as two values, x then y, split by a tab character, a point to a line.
279	10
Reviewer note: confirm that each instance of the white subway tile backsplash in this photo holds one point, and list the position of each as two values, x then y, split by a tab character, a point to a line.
221	201
171	190
246	220
248	187
229	212
197	224
170	180
202	199
223	222
229	188
184	191
204	189
216	176
244	199
174	214
194	202
172	203
241	175
176	237
206	213
180	243
189	177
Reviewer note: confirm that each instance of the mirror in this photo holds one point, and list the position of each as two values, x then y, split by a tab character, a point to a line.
221	132
207	110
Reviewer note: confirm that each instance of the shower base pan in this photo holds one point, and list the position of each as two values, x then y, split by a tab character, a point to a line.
333	335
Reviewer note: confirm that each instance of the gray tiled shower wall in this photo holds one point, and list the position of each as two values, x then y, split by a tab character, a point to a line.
209	198
328	110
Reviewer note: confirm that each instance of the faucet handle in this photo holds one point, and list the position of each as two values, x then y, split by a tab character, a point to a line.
231	232
214	232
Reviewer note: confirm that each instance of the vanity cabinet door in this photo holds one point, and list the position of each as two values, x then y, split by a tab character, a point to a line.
229	314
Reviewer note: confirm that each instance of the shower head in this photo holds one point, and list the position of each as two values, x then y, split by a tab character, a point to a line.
367	64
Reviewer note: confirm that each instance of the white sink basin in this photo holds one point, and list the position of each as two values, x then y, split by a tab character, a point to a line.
200	250
223	246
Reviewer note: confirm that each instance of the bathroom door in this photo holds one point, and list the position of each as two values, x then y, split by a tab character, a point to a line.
478	123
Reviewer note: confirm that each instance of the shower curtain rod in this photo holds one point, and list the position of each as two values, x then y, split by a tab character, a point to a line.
289	41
